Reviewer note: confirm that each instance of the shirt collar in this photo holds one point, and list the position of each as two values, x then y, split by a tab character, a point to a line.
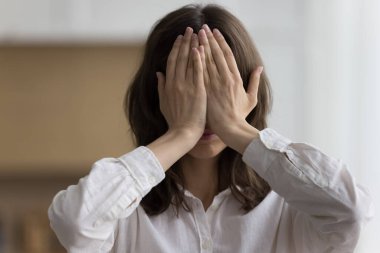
219	195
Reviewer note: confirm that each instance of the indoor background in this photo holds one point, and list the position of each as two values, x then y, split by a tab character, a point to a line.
65	66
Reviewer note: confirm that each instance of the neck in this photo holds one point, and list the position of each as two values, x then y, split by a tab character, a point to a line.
201	177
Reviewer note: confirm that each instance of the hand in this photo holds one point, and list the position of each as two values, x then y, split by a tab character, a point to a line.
228	103
182	94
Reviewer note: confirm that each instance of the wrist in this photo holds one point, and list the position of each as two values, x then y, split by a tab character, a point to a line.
239	135
171	146
187	135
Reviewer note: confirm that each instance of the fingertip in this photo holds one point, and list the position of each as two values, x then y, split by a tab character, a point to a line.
178	40
217	33
206	28
202	33
196	53
194	40
260	69
193	52
159	76
201	49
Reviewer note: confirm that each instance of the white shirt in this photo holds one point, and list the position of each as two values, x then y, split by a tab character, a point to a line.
315	206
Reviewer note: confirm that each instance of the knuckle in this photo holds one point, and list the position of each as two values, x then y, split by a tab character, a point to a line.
228	52
219	53
237	79
172	58
230	82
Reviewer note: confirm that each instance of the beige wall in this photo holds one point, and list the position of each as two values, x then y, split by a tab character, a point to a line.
61	107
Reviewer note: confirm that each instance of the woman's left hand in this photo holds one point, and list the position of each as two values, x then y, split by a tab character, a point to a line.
228	104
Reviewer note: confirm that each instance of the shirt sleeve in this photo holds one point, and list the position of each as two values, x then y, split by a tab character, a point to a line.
84	216
330	206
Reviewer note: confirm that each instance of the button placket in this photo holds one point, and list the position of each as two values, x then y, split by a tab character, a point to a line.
204	232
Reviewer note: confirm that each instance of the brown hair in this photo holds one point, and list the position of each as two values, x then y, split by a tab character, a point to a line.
147	123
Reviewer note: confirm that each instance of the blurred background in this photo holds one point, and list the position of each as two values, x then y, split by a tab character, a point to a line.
65	66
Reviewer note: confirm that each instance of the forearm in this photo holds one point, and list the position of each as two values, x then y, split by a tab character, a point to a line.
171	146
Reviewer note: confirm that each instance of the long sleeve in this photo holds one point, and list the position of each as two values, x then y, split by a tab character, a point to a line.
84	216
330	207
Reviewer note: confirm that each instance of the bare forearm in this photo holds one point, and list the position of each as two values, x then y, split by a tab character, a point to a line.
171	146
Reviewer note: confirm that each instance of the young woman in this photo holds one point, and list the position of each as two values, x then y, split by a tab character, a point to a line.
207	175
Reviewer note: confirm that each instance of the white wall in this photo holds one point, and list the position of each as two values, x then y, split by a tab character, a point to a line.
89	21
342	78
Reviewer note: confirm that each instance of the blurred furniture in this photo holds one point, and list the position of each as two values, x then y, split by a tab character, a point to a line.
61	110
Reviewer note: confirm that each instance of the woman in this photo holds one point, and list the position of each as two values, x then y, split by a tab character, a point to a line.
208	176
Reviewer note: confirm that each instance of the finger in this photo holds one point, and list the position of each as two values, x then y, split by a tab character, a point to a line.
216	52
198	68
161	83
210	67
183	55
190	67
172	58
203	61
254	81
227	52
202	55
189	71
194	40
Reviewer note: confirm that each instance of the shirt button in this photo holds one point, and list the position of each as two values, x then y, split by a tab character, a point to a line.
206	244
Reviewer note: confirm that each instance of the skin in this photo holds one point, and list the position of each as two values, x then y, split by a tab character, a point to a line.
203	69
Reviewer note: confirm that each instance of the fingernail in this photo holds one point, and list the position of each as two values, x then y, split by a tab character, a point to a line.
217	32
179	37
188	30
194	36
202	33
207	29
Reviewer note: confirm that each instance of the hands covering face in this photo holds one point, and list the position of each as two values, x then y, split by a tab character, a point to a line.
203	85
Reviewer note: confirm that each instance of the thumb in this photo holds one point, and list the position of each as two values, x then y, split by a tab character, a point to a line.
254	81
161	82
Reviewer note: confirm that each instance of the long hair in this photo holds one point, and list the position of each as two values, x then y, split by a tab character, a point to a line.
141	105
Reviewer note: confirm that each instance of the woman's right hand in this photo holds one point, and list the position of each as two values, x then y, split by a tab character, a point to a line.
182	92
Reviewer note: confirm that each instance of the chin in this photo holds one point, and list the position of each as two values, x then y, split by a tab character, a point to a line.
205	149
